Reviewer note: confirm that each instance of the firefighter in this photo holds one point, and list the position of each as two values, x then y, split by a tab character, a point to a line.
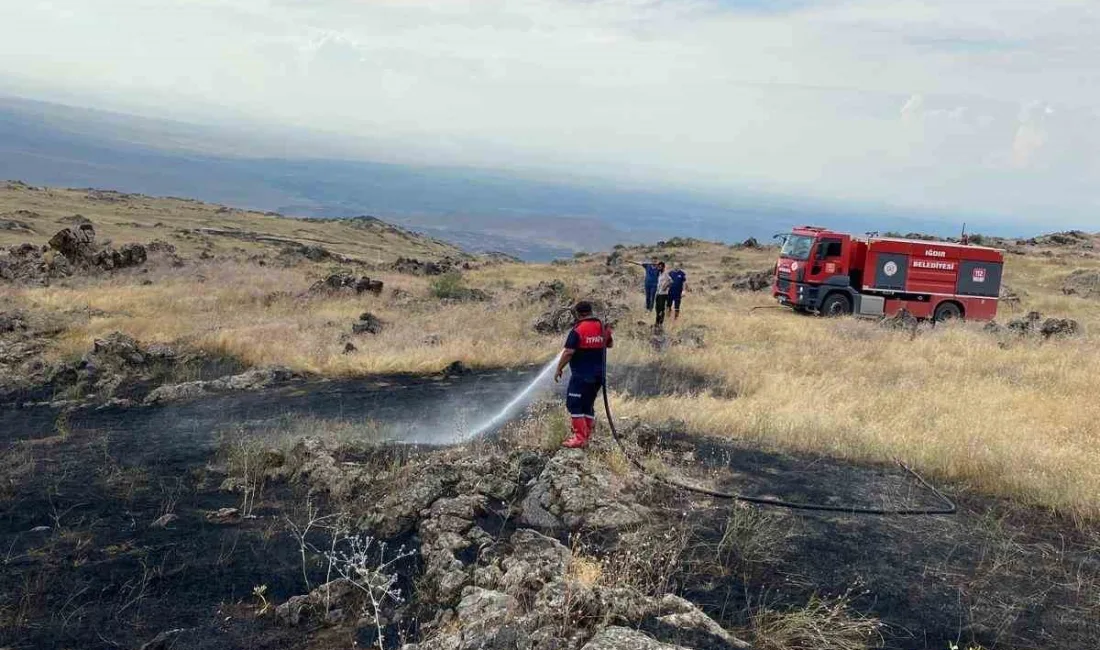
585	353
652	272
664	283
676	291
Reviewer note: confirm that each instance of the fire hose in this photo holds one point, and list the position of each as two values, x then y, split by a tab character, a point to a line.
949	509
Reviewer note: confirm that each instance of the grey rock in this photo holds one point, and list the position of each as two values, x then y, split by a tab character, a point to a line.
535	561
251	380
680	621
578	493
621	638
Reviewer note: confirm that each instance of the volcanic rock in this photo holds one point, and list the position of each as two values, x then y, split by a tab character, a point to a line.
413	266
754	280
1083	283
554	291
251	380
368	324
76	245
346	283
622	638
576	493
1033	324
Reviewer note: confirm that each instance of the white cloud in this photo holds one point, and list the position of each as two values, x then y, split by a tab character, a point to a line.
722	94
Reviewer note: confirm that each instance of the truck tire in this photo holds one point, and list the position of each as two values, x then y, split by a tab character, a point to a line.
836	304
946	311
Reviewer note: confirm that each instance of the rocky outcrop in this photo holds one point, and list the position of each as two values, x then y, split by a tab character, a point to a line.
76	245
553	291
1034	325
754	280
1083	283
258	379
487	578
575	493
75	252
413	266
1068	238
348	284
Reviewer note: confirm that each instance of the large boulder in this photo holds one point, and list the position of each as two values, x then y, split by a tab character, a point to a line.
76	244
1084	283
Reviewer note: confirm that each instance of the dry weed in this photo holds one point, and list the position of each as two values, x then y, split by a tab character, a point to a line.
822	624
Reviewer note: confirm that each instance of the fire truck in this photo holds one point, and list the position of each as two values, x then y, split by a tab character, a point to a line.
834	274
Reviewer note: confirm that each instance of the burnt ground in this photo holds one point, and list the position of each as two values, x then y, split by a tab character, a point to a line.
83	567
994	574
100	576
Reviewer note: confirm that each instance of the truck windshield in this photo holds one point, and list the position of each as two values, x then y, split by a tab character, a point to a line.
797	247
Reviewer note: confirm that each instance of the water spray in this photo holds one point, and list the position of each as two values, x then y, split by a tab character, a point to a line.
518	401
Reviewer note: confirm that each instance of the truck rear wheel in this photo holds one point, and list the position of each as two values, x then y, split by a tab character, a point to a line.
836	304
946	311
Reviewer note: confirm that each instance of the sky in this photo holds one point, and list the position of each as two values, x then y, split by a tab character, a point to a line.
964	106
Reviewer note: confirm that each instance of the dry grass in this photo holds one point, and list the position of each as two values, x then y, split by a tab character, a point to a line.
822	624
136	218
1006	417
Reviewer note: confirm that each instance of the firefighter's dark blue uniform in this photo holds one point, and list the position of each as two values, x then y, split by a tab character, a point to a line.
589	341
651	275
676	288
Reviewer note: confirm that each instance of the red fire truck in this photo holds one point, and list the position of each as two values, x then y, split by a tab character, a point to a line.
833	274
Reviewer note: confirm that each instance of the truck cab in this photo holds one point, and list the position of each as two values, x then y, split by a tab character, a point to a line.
811	262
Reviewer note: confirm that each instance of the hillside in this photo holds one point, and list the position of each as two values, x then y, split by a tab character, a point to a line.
198	431
33	213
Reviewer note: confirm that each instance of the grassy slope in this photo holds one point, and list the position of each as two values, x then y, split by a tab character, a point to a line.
136	218
1015	418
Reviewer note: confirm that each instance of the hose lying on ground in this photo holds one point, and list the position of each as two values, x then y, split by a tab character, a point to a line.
779	503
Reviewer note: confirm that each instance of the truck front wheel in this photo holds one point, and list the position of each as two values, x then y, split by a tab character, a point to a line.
836	304
946	311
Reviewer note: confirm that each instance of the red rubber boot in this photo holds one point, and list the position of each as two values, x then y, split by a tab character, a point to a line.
581	432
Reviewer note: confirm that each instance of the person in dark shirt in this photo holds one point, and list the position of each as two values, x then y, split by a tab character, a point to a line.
652	272
585	353
676	291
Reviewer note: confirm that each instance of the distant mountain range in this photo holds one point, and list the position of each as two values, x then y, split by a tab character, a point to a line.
56	145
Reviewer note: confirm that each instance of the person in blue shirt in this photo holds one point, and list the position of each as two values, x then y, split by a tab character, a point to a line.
652	272
676	291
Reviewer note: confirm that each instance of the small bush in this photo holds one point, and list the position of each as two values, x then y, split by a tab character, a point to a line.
450	285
